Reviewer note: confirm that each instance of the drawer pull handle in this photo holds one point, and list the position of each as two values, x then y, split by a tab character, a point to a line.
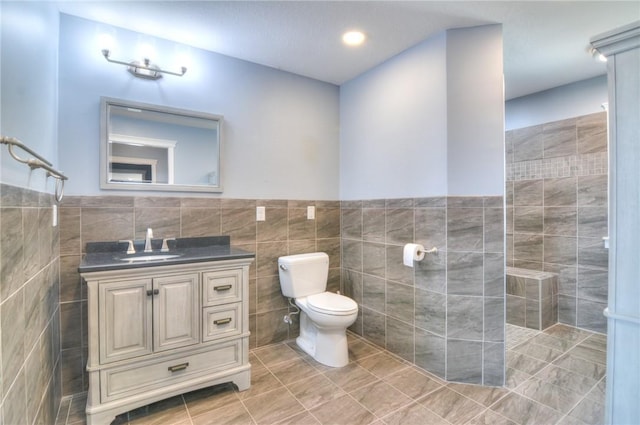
178	367
222	321
154	292
221	288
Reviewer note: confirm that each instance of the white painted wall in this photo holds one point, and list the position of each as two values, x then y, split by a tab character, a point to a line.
568	101
28	89
393	132
428	122
280	133
475	111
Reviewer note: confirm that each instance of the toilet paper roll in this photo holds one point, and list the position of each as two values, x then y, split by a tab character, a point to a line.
412	252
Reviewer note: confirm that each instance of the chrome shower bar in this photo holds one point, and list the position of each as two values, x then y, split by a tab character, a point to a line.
36	162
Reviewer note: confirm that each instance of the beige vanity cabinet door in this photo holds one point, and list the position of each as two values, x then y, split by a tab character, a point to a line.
176	311
125	319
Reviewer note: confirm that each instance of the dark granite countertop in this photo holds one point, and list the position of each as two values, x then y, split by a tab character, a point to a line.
101	256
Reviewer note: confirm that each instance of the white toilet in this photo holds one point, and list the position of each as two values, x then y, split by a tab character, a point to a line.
325	316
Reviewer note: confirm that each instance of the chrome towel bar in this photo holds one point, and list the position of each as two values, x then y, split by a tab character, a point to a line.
36	162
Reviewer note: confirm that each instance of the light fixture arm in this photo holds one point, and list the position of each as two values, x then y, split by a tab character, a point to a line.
154	72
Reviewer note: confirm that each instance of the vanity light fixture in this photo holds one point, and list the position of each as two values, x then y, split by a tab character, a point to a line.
145	69
353	38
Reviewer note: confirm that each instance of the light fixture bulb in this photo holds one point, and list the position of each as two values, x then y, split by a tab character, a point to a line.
353	38
105	41
184	60
146	51
597	55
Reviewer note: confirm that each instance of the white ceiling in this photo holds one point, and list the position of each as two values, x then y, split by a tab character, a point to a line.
545	43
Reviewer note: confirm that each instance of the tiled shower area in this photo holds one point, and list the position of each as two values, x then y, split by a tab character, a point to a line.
556	194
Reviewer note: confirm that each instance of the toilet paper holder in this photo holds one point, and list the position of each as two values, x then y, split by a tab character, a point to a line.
433	250
415	252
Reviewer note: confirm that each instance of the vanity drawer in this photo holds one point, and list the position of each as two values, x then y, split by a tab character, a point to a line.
222	321
138	378
221	287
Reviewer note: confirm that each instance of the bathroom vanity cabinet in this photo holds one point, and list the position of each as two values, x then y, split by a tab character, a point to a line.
159	330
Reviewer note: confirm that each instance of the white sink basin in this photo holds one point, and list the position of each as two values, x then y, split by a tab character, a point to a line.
157	257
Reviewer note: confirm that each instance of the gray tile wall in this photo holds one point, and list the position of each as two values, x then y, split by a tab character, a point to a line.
30	386
445	315
557	211
458	334
286	231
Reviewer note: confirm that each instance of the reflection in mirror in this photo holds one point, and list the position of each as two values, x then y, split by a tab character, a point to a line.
148	147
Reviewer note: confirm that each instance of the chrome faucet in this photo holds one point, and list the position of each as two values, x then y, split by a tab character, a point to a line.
130	248
165	244
147	241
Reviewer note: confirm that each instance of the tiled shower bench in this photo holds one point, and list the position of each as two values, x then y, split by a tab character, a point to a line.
532	298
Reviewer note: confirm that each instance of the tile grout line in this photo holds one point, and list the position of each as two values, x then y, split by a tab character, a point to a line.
378	351
549	364
378	379
285	386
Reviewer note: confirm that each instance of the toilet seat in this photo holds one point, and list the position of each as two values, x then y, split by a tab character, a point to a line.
333	304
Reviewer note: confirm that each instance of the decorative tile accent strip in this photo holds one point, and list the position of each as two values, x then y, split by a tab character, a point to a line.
566	166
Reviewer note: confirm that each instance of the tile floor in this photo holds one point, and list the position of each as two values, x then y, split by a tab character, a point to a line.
553	377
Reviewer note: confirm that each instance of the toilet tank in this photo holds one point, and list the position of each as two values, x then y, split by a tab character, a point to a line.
303	274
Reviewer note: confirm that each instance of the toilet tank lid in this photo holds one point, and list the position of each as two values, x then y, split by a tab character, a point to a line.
303	258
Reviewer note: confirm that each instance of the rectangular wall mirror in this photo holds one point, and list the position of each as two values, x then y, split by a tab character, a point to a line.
150	147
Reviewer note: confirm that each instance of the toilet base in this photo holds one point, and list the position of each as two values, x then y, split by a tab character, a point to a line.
326	346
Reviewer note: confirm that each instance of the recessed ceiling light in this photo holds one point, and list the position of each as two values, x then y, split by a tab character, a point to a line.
353	38
597	55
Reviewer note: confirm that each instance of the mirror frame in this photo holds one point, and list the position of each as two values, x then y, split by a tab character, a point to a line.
105	183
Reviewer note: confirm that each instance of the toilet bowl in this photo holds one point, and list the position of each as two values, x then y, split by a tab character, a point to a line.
323	327
324	316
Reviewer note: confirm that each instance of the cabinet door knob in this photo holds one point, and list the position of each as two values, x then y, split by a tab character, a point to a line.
178	367
152	292
222	321
221	288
